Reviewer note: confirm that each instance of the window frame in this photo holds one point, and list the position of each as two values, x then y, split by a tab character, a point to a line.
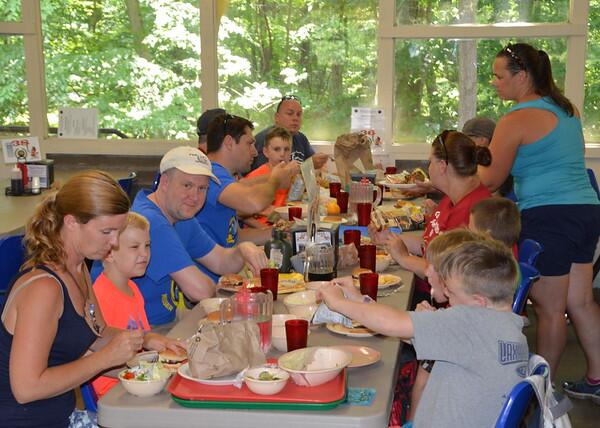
575	30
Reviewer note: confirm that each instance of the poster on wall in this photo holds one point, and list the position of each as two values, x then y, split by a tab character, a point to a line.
78	123
369	121
24	149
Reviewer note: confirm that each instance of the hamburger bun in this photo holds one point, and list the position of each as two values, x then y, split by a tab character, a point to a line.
332	219
171	360
357	271
231	280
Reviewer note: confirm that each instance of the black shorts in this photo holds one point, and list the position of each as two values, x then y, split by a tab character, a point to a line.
568	234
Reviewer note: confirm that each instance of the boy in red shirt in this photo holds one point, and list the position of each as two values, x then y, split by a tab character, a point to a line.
119	298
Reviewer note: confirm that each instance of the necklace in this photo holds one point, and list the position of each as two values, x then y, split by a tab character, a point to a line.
89	309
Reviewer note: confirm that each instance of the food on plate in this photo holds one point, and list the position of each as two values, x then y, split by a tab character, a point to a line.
357	271
333	208
171	360
406	177
145	372
231	280
378	220
332	219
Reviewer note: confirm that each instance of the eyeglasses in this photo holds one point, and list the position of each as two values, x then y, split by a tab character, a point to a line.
514	57
440	138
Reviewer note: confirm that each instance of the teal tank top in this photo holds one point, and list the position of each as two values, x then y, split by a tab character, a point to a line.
551	170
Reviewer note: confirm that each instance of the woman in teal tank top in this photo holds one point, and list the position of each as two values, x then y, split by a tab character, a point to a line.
540	142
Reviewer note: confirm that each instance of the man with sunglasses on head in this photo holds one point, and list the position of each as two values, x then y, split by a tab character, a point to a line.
230	146
288	115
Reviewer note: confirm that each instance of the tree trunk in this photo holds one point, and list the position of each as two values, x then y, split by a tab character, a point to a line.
137	28
467	66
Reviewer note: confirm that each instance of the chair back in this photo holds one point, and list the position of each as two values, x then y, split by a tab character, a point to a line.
90	399
128	184
522	406
529	250
593	181
529	275
12	256
156	181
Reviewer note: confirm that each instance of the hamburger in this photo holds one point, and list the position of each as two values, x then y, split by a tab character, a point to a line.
231	280
170	360
357	271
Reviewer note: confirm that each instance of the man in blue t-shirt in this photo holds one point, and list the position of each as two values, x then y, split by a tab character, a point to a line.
288	115
230	146
178	244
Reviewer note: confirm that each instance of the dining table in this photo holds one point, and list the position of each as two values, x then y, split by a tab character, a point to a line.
120	409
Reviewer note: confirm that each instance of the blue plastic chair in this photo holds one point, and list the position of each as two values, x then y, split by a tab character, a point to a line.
529	250
521	398
127	184
156	181
593	181
90	399
11	258
529	275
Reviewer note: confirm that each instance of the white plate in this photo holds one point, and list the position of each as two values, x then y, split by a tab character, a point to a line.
385	280
184	372
351	332
342	220
361	355
398	185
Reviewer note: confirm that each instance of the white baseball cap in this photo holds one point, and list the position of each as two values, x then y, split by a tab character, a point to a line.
189	160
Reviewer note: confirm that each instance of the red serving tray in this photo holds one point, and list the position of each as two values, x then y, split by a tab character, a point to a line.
333	390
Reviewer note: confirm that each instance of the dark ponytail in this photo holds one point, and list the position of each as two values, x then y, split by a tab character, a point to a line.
521	56
461	152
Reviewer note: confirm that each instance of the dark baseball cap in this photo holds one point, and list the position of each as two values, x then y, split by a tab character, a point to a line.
479	127
205	119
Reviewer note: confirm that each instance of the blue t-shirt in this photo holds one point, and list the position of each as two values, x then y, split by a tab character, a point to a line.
301	148
172	248
551	170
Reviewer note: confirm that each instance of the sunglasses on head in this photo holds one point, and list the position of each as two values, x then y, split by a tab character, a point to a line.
510	51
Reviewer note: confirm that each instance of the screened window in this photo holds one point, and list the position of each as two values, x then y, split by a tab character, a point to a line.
322	51
591	108
14	110
10	10
137	61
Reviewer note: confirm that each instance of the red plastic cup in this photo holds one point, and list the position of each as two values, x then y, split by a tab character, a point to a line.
294	213
296	334
258	289
390	170
269	279
367	256
342	201
369	284
334	188
352	236
363	211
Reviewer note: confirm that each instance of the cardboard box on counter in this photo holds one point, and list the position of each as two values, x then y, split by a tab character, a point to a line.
43	169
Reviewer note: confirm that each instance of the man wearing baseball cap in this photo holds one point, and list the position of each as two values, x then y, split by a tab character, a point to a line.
202	125
178	244
480	129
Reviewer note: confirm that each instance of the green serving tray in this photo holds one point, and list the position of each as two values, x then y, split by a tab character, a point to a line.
258	404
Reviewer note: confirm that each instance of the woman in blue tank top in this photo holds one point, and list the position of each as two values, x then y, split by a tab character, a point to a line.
49	320
540	142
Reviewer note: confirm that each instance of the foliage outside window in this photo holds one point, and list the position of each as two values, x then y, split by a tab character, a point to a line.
13	84
446	12
10	10
137	61
324	52
591	107
433	77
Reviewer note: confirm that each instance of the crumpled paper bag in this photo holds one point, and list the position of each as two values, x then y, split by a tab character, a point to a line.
347	149
224	349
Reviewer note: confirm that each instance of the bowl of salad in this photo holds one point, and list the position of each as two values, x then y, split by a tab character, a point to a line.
266	380
145	380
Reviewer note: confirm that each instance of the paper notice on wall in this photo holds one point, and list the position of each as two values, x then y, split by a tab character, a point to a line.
369	121
24	149
78	123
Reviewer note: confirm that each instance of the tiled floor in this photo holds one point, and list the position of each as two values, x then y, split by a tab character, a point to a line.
585	414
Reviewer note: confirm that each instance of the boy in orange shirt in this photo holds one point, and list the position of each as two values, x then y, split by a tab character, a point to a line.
277	149
119	298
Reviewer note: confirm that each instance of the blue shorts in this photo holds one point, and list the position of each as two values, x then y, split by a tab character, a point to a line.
568	233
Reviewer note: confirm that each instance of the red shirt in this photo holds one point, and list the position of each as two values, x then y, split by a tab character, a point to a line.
448	216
